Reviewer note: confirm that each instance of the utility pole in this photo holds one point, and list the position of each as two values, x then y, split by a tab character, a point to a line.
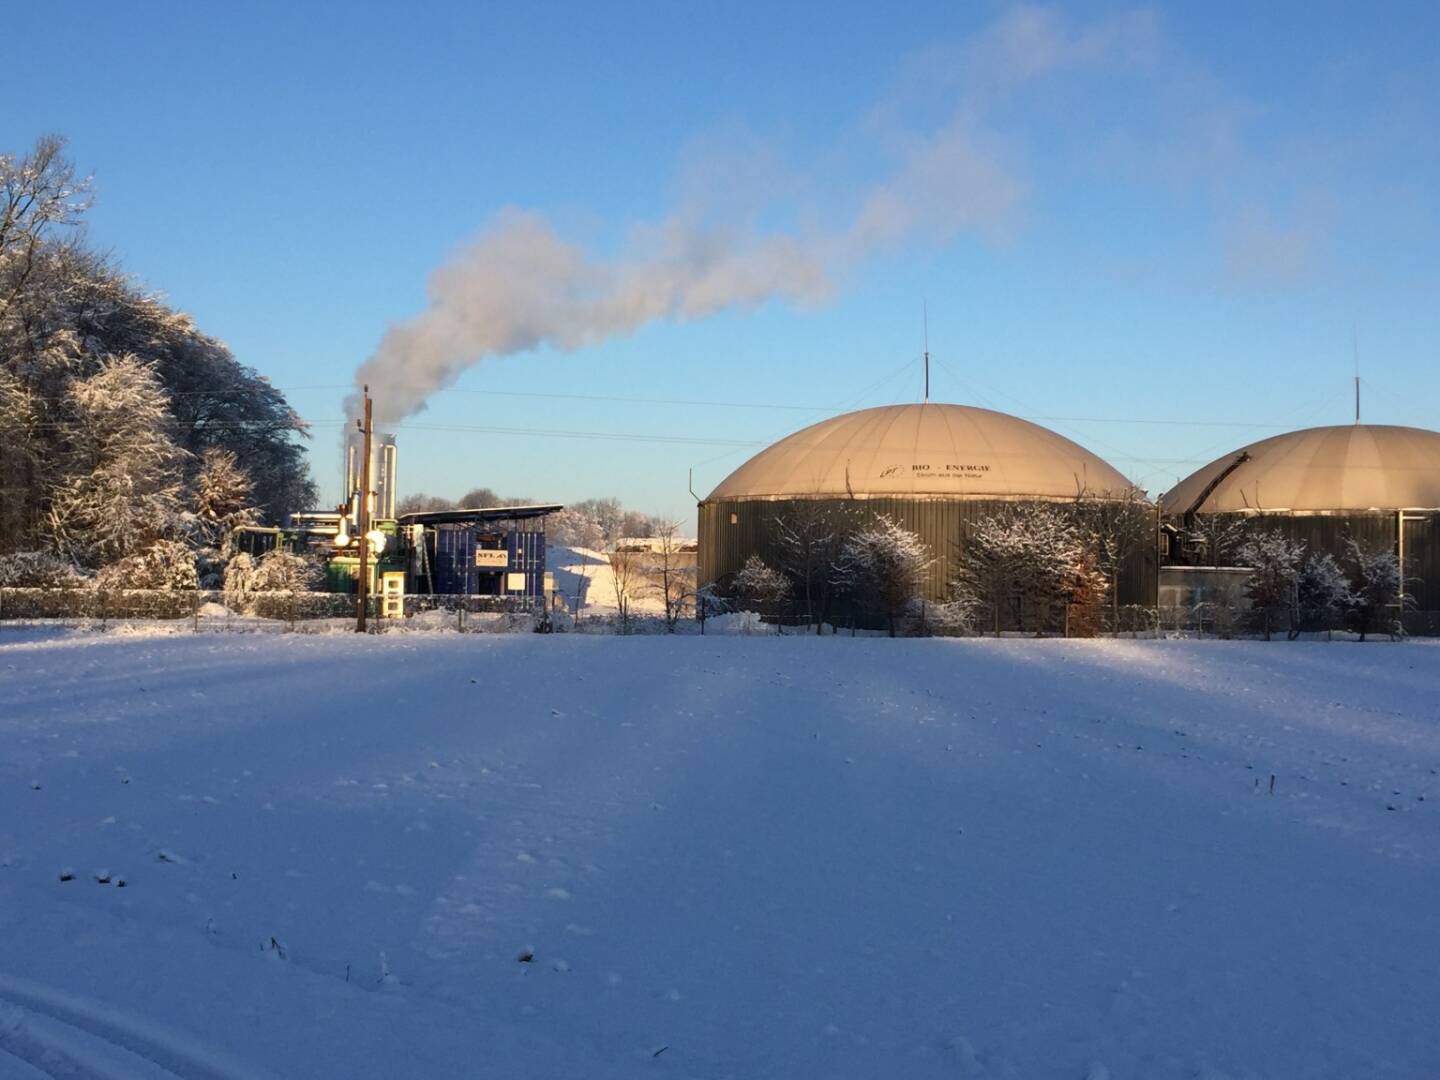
363	525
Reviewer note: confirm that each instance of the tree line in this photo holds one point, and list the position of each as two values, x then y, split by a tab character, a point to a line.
1042	567
1366	591
593	524
1030	566
135	443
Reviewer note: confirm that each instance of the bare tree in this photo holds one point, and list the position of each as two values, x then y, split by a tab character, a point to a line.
808	539
38	193
673	572
1218	536
627	576
420	503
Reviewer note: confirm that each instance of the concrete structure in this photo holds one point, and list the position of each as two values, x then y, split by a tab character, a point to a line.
932	468
1376	483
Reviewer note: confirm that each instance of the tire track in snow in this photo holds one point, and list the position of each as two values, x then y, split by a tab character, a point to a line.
49	1048
9	1063
36	1034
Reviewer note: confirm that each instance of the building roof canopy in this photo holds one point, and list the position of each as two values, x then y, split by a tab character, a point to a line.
923	450
1352	467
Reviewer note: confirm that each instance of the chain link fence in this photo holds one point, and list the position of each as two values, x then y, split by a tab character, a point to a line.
318	612
313	612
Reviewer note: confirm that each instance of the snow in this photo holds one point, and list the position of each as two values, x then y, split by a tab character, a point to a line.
587	573
742	856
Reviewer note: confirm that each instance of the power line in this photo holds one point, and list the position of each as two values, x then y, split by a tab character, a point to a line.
631	400
559	433
758	405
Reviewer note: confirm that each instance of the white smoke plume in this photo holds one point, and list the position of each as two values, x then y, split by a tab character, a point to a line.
519	285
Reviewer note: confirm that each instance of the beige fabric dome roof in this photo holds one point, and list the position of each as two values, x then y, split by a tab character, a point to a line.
923	450
1352	467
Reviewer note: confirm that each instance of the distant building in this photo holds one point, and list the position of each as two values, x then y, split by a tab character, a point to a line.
486	551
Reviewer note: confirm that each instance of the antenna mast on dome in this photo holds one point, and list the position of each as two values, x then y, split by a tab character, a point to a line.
925	314
1355	344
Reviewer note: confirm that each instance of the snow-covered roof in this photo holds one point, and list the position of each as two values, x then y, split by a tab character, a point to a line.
924	450
479	513
1344	468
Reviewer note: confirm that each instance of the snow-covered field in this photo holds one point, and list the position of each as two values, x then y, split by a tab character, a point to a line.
724	857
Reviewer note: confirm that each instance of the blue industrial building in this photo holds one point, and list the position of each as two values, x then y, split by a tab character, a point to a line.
488	551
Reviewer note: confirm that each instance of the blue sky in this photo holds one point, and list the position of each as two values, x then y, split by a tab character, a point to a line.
1158	230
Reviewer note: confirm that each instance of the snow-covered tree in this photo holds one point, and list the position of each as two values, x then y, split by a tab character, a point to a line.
1216	538
1275	562
1121	524
955	617
1377	582
1322	593
247	578
574	529
709	602
19	458
220	503
121	493
1084	590
285	571
220	497
65	313
166	565
595	524
39	194
761	589
1032	558
882	569
38	570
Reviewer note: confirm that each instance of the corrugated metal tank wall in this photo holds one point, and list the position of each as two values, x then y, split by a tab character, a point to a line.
942	524
1374	529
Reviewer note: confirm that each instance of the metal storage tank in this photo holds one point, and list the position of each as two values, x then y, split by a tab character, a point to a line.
1377	483
933	468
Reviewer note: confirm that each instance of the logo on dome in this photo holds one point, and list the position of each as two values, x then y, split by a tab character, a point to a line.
950	469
